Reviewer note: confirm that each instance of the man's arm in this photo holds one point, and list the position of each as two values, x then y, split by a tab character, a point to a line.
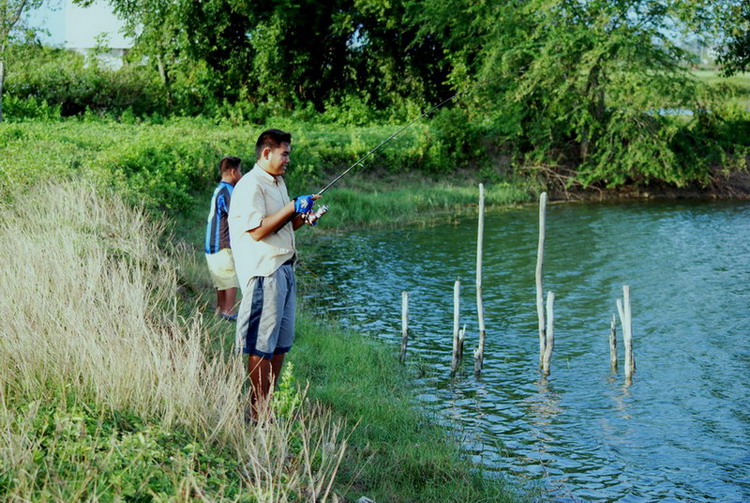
273	223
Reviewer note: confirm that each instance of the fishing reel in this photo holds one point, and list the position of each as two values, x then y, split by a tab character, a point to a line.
313	217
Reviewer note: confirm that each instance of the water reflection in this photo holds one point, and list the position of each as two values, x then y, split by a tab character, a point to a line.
680	432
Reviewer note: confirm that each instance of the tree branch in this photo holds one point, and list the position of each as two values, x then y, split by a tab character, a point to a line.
19	11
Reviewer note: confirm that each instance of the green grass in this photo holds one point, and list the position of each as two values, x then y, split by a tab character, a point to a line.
405	201
397	452
739	85
84	452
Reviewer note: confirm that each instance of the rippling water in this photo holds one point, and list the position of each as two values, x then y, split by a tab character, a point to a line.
680	432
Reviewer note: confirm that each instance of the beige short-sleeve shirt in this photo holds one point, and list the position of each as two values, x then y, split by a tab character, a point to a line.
257	195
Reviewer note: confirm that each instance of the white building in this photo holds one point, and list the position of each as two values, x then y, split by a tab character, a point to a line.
61	23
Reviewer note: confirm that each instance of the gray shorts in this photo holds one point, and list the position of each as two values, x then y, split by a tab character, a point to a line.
265	322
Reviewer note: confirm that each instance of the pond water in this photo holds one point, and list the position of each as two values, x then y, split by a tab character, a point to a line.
680	432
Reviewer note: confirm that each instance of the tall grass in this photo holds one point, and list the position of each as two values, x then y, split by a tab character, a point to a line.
92	334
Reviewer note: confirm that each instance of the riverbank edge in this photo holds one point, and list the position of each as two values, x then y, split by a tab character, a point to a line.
397	451
419	202
729	186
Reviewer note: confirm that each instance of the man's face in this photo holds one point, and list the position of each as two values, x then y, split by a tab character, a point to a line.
278	159
236	175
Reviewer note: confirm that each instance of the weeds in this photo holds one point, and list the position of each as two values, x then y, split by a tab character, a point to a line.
107	392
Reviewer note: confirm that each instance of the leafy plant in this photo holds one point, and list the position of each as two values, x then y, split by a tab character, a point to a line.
581	91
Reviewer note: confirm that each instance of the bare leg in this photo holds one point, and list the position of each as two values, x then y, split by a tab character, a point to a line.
260	378
220	294
264	374
227	304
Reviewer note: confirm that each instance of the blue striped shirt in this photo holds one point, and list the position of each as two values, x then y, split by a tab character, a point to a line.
217	226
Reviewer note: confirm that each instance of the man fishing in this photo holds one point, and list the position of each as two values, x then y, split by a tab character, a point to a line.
262	221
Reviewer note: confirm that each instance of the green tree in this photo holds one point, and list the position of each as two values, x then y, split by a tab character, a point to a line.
155	26
290	52
587	85
11	22
734	53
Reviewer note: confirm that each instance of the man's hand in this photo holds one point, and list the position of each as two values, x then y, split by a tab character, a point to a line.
300	214
304	204
313	217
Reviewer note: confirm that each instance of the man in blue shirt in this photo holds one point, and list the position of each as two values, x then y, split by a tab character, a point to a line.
218	248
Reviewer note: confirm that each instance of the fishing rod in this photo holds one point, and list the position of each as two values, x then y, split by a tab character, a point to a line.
313	216
384	142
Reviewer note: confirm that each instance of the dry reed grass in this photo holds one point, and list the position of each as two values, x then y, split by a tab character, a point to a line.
89	310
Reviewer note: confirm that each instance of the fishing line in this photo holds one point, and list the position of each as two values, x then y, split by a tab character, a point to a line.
359	162
384	142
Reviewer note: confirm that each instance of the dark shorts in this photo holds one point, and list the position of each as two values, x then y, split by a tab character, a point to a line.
265	322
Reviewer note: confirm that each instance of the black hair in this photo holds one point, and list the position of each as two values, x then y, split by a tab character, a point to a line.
271	138
228	163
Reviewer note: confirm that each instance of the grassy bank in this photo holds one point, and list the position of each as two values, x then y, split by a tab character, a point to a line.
119	387
366	200
161	165
112	388
396	452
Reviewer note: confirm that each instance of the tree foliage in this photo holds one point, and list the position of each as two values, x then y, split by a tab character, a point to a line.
11	23
734	53
585	85
288	53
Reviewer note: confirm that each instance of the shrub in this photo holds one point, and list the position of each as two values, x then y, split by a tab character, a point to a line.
15	109
66	79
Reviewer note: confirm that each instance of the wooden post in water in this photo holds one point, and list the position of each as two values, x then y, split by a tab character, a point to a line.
456	361
404	323
479	352
626	318
627	334
539	274
613	343
461	338
549	341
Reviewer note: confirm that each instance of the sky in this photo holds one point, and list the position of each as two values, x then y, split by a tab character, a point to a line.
72	26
